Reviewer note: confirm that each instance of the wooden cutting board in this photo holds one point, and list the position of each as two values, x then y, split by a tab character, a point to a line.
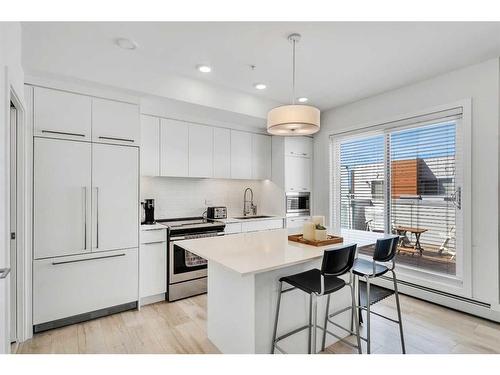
330	240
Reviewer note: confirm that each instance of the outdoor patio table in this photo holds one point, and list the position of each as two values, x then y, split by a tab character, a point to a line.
416	231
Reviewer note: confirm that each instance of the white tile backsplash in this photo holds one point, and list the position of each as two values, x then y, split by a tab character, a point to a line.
183	197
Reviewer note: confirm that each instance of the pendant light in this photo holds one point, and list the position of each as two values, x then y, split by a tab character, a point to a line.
293	119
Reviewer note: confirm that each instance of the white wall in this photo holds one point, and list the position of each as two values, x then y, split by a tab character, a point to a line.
184	197
480	83
11	74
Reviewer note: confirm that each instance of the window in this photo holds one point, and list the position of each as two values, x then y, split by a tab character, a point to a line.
403	180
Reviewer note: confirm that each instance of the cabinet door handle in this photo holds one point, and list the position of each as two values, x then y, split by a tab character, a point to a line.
117	139
4	272
63	133
97	215
89	259
84	218
153	242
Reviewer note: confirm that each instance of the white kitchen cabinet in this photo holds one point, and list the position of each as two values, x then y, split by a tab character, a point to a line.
201	149
115	122
299	146
241	155
232	228
61	197
297	222
298	174
222	153
153	268
115	197
150	146
68	286
174	148
257	225
261	157
60	114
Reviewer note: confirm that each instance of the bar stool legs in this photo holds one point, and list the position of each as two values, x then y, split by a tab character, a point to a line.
323	342
396	294
276	317
368	349
314	321
369	312
354	316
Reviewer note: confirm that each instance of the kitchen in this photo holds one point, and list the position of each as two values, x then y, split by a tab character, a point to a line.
211	207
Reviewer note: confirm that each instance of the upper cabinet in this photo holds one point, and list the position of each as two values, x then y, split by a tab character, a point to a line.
115	122
261	157
241	155
150	146
299	146
60	114
298	174
201	149
174	148
222	153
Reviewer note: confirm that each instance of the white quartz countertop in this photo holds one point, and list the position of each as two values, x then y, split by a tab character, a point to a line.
230	220
263	251
155	226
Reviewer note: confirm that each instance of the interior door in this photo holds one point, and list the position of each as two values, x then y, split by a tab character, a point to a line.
61	197
115	197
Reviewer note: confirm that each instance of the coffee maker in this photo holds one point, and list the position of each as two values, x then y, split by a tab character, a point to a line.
149	211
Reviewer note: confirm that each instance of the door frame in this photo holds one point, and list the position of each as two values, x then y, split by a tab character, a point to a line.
23	257
449	285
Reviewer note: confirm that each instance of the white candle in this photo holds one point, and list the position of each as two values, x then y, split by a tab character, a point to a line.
318	220
308	231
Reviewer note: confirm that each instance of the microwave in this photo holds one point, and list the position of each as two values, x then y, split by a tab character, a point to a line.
298	204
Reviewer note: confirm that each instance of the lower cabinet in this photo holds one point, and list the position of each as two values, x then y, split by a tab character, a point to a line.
253	226
153	267
297	222
67	286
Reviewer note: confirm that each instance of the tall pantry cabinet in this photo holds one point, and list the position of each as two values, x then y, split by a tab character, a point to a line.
85	206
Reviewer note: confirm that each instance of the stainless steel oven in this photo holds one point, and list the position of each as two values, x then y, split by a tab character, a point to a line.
298	204
187	272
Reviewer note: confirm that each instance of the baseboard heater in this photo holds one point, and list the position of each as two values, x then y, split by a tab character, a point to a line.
84	317
435	291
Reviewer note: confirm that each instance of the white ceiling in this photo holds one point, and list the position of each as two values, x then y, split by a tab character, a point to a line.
337	62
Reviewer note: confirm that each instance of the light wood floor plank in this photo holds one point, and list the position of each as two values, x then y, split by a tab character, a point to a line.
180	328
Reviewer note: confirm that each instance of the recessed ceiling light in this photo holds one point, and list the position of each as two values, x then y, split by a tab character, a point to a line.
204	68
302	99
260	86
126	43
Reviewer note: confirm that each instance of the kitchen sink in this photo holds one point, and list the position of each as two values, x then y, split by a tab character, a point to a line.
251	217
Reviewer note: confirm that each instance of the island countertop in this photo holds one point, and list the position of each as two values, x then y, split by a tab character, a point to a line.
256	252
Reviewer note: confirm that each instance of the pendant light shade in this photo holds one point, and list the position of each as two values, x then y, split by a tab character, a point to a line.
293	119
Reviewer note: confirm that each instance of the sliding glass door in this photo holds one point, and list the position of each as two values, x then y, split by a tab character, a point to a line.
404	180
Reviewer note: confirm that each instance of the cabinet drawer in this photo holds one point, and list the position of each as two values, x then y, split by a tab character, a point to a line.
274	224
252	226
153	235
232	228
153	269
297	222
299	146
68	286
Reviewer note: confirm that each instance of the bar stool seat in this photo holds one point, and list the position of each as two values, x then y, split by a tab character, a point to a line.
365	267
310	282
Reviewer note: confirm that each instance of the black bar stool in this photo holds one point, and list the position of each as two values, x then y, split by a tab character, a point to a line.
385	251
336	262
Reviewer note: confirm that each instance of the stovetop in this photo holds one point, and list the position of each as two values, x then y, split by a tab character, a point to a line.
191	225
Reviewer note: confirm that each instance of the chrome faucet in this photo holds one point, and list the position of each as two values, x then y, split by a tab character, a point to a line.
248	207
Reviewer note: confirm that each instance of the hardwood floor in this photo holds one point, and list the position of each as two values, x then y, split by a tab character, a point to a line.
180	327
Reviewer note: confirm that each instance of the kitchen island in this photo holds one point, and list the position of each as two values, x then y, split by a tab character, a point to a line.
243	274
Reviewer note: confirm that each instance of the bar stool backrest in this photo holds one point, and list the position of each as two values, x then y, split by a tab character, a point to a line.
385	249
336	262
